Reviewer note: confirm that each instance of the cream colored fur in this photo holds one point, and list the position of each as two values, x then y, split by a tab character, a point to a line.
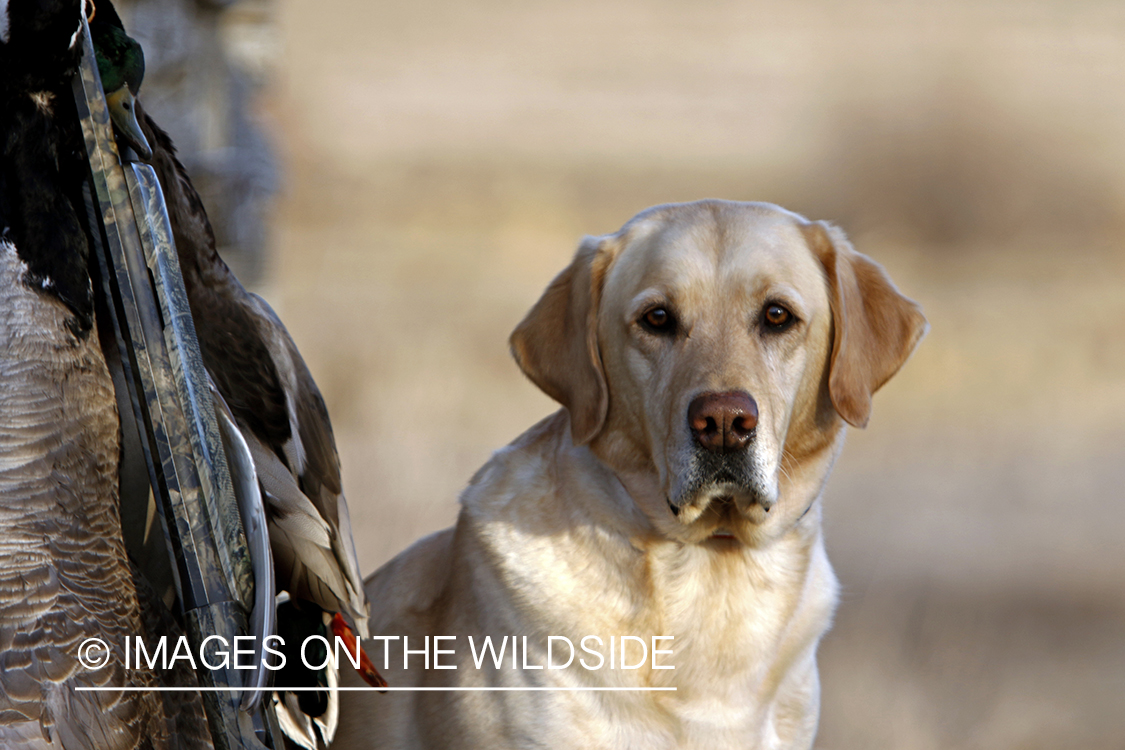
569	531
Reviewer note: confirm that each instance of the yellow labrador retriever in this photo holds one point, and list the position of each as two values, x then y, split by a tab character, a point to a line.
662	530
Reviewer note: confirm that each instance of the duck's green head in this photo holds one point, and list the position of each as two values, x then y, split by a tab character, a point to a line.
121	63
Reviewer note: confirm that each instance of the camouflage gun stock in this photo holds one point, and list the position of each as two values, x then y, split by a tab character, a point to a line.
168	396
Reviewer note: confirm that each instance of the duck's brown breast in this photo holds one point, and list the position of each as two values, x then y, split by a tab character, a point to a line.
64	575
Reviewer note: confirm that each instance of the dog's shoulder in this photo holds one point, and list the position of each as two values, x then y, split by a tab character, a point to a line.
414	579
519	472
508	487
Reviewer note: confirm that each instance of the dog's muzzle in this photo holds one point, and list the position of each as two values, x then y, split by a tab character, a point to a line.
720	467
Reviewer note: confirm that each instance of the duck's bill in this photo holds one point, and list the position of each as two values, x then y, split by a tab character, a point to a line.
123	112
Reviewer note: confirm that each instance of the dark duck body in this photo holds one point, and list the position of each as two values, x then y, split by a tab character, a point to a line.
64	574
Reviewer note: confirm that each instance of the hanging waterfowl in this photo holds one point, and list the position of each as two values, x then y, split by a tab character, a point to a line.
274	401
64	575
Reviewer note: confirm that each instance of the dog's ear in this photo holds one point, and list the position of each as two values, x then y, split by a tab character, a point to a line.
875	327
556	345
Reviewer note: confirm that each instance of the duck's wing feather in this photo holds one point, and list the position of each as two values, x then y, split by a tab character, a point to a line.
312	457
305	544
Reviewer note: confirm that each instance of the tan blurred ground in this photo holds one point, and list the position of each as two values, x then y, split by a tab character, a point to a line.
443	160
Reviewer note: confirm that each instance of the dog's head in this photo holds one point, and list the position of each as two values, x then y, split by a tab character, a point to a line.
710	354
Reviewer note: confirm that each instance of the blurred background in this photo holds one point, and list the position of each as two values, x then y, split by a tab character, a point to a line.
423	168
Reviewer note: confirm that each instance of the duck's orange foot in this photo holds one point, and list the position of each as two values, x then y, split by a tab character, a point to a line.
366	669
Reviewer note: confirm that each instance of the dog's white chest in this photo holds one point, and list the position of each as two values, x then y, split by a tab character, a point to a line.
742	627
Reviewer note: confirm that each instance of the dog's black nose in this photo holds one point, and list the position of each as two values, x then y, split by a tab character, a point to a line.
723	422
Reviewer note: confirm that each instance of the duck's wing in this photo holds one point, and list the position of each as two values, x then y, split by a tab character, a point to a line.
313	486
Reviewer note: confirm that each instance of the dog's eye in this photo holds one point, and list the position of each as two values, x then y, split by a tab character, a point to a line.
777	317
658	320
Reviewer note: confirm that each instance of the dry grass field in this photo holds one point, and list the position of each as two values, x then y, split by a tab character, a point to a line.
443	160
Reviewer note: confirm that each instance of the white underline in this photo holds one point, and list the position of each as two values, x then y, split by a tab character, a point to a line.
211	689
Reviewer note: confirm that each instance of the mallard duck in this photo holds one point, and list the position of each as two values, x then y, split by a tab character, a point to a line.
261	377
64	574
